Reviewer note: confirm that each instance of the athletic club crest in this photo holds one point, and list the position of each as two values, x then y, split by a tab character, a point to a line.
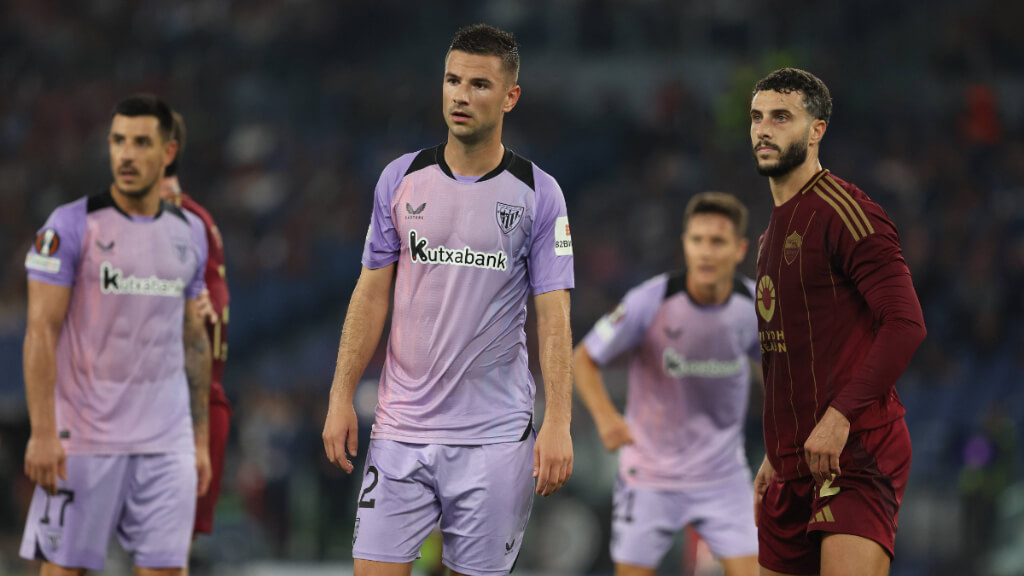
791	249
508	216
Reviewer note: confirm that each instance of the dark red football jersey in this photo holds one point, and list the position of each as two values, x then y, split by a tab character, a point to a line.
217	284
838	317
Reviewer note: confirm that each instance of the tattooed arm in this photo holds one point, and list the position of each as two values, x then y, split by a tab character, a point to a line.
198	364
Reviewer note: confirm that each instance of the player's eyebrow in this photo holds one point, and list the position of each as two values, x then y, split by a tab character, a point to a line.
773	111
479	79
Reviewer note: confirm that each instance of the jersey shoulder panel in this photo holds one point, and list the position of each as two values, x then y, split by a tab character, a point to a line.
416	161
846	207
523	169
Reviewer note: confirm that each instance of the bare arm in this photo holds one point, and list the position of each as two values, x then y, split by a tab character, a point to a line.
553	456
611	426
44	455
364	324
198	366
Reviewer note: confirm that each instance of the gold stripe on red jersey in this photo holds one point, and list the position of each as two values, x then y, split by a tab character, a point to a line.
859	212
845	203
814	181
846	220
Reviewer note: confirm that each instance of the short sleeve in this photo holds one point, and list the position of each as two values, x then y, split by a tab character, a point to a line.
625	328
383	244
54	256
202	252
550	261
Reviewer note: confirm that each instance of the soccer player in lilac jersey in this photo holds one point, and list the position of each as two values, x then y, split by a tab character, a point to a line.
117	383
467	230
689	338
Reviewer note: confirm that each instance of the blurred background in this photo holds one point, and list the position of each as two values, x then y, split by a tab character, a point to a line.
295	106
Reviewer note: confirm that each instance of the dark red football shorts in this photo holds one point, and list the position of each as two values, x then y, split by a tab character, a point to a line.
220	420
864	501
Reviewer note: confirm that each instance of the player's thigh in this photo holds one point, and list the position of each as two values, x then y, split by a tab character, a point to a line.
486	496
48	569
644	523
740	566
766	572
849	555
72	528
397	505
139	571
363	567
864	500
784	546
159	513
723	516
632	570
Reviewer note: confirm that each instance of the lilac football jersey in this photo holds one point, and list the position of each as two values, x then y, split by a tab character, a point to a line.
469	252
689	378
121	386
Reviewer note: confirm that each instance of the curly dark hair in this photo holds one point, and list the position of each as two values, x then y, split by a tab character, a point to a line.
489	41
817	99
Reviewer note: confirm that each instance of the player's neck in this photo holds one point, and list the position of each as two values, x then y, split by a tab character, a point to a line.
147	204
709	294
789	185
474	159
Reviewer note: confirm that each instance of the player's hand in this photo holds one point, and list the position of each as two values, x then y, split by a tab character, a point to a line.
761	481
204	306
204	470
825	444
341	435
45	461
552	458
614	431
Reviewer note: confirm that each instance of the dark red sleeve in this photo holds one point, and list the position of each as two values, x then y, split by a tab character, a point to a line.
875	264
217	285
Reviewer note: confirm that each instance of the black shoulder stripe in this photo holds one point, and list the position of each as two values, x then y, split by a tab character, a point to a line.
101	201
172	209
740	288
426	157
521	168
676	284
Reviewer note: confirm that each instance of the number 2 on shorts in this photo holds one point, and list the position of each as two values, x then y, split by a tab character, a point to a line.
827	489
363	502
69	497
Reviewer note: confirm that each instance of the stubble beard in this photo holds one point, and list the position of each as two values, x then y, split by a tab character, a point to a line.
141	192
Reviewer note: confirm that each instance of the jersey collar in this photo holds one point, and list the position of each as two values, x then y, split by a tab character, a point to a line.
506	161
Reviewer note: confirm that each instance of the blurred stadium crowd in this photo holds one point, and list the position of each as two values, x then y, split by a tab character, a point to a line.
294	107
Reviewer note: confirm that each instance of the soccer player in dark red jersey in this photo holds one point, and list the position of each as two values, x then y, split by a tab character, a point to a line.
838	320
214	306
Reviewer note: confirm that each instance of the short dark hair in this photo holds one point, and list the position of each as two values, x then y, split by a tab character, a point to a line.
718	203
147	105
487	40
178	134
817	99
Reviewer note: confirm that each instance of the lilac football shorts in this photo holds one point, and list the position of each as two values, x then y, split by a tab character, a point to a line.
149	499
481	494
645	521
